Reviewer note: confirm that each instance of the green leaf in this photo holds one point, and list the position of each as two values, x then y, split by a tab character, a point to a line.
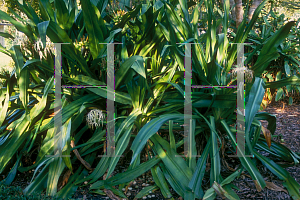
289	182
146	191
246	161
278	150
255	98
175	165
39	183
160	181
6	35
71	109
120	97
98	172
214	155
4	107
19	134
58	35
271	119
279	94
26	29
287	68
120	148
62	13
128	175
66	142
47	9
92	27
231	177
12	174
290	100
223	192
196	181
42	27
55	169
148	130
292	80
269	51
172	138
134	62
172	181
70	188
24	85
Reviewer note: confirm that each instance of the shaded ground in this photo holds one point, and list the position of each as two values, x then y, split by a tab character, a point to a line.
288	125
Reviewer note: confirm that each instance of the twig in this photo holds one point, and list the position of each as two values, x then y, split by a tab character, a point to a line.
86	164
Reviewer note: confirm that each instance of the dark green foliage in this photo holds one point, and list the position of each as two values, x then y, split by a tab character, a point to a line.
149	97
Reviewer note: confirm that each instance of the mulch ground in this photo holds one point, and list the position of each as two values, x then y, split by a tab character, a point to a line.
288	125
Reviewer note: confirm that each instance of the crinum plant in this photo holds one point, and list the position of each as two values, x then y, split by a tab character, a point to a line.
149	101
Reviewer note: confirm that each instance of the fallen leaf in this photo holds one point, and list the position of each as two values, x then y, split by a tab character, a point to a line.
267	135
111	195
65	179
219	190
272	186
258	188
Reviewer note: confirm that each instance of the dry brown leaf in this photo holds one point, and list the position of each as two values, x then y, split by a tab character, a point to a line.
65	179
111	195
129	185
219	190
267	135
223	147
272	186
258	188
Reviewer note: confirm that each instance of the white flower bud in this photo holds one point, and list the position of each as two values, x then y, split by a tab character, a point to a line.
94	117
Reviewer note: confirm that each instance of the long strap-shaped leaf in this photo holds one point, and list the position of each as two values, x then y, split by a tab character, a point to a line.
19	134
196	181
246	161
148	130
175	165
255	97
292	80
127	176
92	27
160	181
214	155
4	107
290	183
269	51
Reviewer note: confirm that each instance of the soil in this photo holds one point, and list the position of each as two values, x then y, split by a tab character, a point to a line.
288	125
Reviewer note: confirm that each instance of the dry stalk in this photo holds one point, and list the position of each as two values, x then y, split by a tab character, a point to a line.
86	164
